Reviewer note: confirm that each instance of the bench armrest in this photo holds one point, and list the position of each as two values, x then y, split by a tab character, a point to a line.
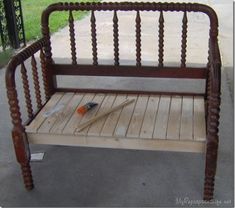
213	92
18	63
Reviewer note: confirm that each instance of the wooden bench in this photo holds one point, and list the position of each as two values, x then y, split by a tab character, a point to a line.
156	120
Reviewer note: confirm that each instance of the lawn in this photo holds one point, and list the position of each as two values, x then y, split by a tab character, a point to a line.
32	10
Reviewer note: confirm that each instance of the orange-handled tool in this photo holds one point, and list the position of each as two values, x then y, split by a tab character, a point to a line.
88	106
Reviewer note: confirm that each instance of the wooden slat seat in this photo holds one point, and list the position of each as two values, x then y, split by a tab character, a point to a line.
151	122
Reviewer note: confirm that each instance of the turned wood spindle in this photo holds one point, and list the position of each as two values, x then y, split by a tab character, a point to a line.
115	39
26	91
72	38
138	39
36	82
161	40
93	38
184	40
44	75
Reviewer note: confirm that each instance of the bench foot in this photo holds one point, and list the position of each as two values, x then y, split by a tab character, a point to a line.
210	171
208	188
27	176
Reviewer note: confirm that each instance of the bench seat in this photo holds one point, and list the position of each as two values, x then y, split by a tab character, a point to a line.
151	122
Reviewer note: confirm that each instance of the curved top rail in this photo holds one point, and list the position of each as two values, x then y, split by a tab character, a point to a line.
129	6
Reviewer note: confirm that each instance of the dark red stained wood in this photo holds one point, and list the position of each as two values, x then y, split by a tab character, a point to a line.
72	38
93	38
161	40
138	38
184	40
36	82
44	75
129	71
115	39
85	90
26	91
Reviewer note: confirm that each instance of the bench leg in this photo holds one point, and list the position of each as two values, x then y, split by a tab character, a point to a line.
27	176
210	170
23	157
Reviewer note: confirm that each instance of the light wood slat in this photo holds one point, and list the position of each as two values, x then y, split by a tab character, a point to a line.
150	117
173	126
186	129
118	142
111	121
49	122
162	118
76	118
125	118
97	99
96	127
137	117
66	114
36	123
199	129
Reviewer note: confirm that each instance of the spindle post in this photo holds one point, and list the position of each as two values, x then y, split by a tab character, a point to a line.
26	91
115	39
44	75
138	39
161	40
184	40
72	38
93	38
36	82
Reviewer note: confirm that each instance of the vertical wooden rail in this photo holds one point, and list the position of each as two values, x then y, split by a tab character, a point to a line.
36	82
26	91
93	38
115	39
44	75
161	40
184	40
138	39
72	38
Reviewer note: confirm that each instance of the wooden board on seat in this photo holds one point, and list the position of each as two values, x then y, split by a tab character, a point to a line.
152	122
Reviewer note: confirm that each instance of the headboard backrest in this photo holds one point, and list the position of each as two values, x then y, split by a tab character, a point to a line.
127	6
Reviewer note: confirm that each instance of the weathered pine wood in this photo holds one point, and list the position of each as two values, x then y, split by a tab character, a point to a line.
66	114
174	121
199	127
96	127
97	117
51	120
82	128
137	117
150	117
38	120
118	142
76	118
186	128
160	129
111	121
125	117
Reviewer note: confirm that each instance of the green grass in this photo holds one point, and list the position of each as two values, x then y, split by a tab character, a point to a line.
32	10
5	57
